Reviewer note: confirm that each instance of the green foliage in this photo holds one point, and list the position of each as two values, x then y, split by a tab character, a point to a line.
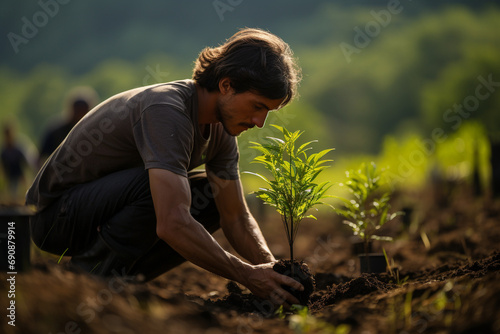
464	152
394	272
412	159
62	255
444	306
407	160
301	321
413	71
293	189
369	210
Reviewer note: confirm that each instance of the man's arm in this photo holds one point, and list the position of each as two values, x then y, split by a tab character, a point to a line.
175	225
237	223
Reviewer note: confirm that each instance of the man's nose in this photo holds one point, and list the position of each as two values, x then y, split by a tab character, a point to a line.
260	120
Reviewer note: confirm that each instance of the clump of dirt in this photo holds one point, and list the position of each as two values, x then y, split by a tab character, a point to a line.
242	302
301	274
324	280
245	302
359	286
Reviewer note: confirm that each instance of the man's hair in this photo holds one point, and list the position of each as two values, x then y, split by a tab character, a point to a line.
254	60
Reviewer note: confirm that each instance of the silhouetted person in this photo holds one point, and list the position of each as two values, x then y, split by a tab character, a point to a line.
82	99
13	162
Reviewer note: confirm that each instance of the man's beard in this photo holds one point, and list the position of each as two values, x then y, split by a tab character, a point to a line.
223	119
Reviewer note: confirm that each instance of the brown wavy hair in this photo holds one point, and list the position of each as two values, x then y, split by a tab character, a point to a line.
254	60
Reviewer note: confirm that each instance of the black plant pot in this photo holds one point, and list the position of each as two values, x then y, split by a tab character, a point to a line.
359	247
15	238
301	274
372	263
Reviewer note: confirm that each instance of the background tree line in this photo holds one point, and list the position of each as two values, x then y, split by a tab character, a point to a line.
405	78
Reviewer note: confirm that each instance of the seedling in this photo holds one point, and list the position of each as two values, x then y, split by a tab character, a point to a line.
293	189
369	210
425	240
62	255
302	321
394	273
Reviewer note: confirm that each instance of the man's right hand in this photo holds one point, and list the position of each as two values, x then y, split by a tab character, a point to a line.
266	283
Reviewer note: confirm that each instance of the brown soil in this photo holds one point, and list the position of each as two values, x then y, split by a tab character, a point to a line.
452	285
300	273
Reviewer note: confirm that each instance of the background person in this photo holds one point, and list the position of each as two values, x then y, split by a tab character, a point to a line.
79	101
13	163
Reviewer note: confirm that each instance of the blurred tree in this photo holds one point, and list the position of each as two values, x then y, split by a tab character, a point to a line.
401	74
467	89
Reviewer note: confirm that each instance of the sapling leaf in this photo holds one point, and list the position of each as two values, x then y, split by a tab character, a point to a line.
258	175
304	147
381	238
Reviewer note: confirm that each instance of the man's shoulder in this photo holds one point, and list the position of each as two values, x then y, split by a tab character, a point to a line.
175	93
182	88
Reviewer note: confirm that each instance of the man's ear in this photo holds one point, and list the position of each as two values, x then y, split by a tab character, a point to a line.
225	86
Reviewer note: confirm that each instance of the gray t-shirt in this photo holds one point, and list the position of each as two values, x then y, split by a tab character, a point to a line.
154	126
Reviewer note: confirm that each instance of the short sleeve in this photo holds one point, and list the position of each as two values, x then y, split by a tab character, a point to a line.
164	137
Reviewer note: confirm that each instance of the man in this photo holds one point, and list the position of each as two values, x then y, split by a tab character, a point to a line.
120	194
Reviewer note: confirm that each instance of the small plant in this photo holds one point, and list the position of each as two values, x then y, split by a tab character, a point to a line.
420	311
369	210
293	189
394	273
303	322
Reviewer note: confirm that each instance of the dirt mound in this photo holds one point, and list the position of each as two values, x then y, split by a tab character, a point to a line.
359	286
467	268
241	302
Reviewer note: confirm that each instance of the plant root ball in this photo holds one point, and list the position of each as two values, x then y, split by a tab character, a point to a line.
301	274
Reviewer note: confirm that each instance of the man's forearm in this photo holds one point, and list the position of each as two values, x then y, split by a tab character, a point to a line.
238	224
190	239
246	238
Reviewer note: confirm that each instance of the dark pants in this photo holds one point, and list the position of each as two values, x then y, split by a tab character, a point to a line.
108	226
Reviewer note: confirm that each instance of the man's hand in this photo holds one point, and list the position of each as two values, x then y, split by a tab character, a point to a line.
266	283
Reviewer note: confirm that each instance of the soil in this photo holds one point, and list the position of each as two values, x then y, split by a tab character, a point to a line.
445	278
300	273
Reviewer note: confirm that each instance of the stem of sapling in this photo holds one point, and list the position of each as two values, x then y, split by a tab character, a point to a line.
291	238
291	249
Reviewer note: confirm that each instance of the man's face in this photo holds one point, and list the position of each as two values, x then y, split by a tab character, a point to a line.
239	112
